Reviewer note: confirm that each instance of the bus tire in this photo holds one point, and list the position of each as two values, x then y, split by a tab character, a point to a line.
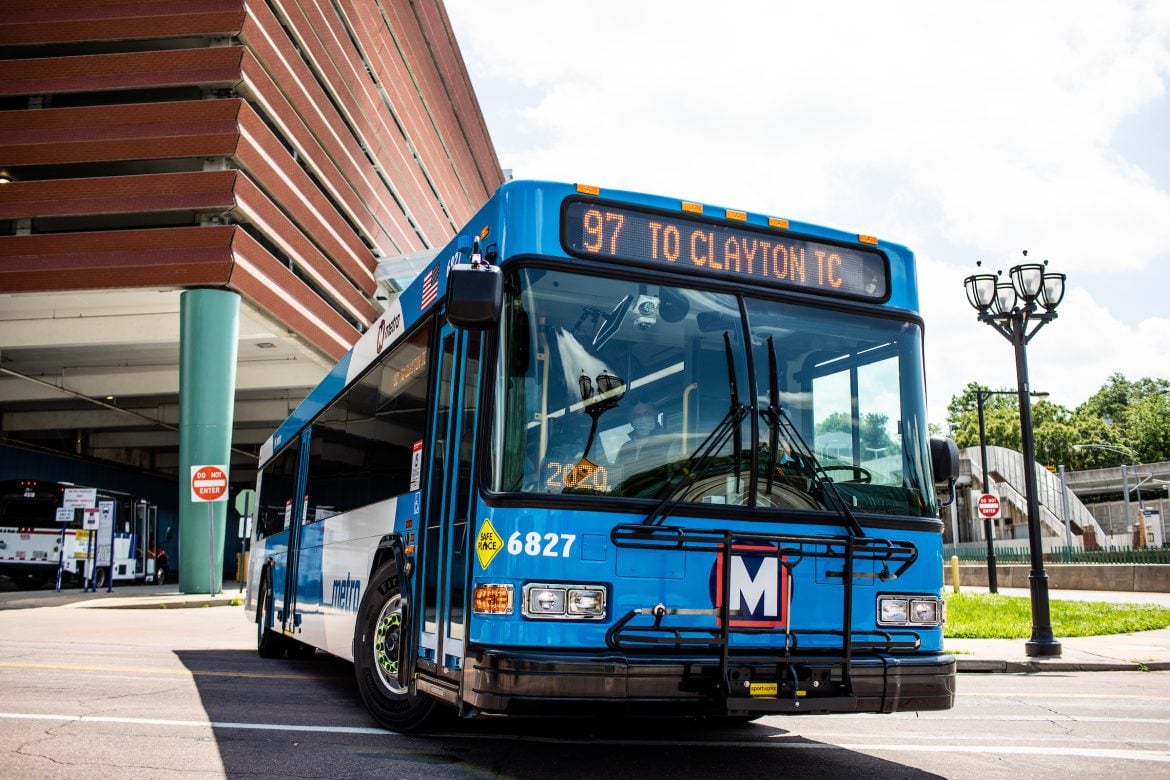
269	644
100	574
377	654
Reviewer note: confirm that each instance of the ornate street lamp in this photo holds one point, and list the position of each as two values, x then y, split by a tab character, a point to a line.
1018	309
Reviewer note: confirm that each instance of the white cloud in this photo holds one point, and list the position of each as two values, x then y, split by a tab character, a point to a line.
965	131
1070	358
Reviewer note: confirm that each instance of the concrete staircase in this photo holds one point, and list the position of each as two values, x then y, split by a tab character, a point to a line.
1006	469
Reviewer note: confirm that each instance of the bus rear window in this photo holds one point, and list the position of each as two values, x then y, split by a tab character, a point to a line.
20	511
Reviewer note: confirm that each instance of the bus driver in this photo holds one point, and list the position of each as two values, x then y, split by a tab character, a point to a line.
649	447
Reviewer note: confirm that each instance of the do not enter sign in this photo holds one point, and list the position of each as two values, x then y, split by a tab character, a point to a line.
209	483
989	505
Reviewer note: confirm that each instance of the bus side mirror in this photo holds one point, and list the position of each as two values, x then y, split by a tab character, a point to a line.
944	460
475	296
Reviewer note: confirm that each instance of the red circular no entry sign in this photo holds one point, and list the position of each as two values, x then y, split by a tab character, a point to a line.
209	483
989	505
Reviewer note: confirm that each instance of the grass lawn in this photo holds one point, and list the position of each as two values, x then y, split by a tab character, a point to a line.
995	616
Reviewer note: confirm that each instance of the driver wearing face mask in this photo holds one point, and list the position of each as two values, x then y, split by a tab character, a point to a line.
649	445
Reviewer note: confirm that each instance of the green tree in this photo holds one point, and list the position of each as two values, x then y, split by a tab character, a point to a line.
1118	397
1001	418
1123	414
1148	426
1133	415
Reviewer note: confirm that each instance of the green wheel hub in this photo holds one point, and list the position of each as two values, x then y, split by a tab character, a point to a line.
387	644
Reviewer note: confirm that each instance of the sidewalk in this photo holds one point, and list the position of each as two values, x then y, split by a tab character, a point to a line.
123	596
1142	651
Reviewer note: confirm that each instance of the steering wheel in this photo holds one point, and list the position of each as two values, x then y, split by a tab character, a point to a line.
860	475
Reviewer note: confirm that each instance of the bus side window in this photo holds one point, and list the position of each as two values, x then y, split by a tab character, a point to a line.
361	449
277	483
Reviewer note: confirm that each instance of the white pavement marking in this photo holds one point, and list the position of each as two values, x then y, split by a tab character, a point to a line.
1045	696
1053	718
1160	756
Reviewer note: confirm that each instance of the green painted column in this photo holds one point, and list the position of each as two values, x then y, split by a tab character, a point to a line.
209	327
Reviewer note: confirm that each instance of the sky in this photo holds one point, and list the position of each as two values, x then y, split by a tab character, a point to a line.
968	132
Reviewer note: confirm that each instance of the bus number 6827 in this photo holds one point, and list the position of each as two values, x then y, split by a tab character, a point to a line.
550	546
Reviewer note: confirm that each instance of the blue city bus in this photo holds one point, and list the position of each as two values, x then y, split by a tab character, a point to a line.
619	453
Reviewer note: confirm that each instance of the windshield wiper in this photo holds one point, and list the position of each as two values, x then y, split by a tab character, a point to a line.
777	416
772	415
731	426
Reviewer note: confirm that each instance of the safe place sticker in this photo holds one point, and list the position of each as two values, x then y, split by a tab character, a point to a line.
488	543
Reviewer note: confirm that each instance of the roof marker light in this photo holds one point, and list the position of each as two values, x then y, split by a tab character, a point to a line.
777	222
588	189
737	215
867	239
694	208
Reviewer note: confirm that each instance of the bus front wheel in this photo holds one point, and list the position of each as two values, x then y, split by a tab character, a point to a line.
377	657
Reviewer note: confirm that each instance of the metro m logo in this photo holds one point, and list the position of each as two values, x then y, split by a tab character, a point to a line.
757	583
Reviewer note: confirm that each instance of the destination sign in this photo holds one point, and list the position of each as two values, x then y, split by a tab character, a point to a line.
604	230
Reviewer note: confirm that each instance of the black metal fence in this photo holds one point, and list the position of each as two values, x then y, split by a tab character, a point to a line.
1005	555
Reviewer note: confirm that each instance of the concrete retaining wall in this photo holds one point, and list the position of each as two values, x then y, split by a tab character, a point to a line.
1145	577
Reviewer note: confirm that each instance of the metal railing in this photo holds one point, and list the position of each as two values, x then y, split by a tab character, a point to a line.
1006	555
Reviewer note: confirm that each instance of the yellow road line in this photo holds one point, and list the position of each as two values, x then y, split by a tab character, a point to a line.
147	670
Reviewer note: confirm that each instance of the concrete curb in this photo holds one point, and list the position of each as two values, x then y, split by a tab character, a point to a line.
191	604
1057	665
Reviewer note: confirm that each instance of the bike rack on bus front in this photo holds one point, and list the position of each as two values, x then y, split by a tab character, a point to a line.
658	633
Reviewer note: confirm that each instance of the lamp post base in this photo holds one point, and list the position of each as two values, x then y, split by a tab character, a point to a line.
1043	643
1042	648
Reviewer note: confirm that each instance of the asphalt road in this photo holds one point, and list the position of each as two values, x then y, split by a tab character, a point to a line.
104	693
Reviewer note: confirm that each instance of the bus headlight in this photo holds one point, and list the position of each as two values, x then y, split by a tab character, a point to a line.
892	611
564	601
909	610
589	602
545	601
923	611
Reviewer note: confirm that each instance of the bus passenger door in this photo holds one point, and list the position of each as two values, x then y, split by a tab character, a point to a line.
290	616
446	541
151	543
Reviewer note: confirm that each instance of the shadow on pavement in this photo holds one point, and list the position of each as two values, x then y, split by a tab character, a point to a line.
238	688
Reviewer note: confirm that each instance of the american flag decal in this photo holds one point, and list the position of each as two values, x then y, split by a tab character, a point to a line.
430	287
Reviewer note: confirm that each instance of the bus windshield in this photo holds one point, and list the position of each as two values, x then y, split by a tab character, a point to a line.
630	389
